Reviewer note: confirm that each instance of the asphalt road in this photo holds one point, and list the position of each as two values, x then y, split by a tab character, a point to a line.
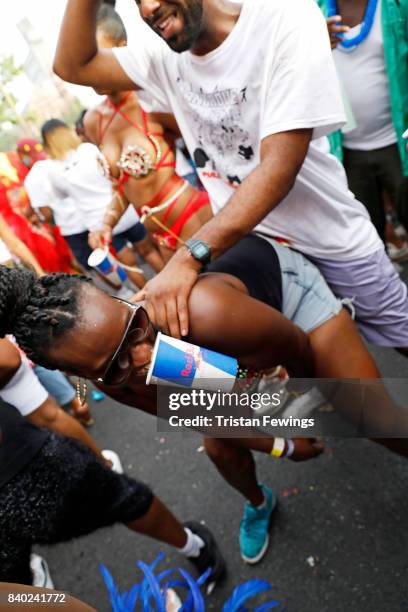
339	539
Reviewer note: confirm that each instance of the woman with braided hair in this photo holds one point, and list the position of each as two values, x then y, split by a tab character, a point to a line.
285	314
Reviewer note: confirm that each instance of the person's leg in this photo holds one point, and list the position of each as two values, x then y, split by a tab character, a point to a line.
351	360
237	466
159	523
127	257
389	171
97	497
147	249
144	246
366	186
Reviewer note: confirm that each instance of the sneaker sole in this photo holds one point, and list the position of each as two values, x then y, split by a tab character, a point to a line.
255	560
262	553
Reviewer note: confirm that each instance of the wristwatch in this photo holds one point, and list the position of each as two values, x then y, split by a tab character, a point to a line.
199	250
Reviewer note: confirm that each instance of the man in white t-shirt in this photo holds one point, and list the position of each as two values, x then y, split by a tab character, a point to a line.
254	90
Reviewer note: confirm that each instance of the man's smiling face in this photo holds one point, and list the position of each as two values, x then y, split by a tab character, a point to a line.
178	22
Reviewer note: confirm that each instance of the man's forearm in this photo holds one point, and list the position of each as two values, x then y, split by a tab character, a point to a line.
77	39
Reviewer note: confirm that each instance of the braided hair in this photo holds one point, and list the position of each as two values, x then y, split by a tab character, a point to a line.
36	311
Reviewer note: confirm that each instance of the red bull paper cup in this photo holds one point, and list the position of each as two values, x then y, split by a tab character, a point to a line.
103	261
184	364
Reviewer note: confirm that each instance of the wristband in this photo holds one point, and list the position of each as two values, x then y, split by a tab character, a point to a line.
278	447
291	448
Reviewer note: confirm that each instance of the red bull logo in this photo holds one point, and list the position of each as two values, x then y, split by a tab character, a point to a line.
193	361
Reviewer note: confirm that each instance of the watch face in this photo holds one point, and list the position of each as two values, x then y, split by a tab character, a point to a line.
200	250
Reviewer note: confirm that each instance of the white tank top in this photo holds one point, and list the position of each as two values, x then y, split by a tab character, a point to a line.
363	73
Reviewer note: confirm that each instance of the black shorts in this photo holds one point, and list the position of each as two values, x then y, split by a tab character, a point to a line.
78	243
65	492
136	233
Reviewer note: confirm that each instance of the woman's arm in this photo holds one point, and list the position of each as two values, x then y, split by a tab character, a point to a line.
18	248
225	318
10	361
114	211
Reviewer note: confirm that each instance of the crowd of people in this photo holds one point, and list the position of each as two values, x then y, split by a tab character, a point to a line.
253	163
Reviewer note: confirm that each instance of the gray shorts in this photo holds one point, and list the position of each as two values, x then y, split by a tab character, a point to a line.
377	294
306	299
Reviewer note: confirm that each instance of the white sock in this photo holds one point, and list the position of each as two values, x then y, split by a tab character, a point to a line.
193	545
262	506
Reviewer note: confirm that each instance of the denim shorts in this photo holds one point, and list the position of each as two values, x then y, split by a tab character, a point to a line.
78	243
56	384
306	298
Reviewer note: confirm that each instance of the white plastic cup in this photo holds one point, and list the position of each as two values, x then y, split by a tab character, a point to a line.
180	363
106	264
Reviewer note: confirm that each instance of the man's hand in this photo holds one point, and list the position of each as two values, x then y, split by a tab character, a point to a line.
306	448
166	295
336	30
98	239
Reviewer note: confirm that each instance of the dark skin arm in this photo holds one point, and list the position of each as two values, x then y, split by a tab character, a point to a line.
77	58
10	361
226	319
282	156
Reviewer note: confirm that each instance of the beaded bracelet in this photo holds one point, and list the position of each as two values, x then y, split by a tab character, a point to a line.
249	375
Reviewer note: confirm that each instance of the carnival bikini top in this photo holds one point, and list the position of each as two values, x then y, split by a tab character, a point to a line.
134	160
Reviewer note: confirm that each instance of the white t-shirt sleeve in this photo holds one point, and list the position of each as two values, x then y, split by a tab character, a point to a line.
144	65
38	186
301	88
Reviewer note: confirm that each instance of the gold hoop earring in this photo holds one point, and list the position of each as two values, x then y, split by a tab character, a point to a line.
81	391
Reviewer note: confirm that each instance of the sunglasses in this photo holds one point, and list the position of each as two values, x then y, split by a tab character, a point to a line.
137	330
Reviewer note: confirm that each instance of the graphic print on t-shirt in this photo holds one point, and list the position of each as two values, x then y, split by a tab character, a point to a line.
218	119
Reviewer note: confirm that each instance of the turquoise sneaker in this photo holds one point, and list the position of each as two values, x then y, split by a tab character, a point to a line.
254	529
